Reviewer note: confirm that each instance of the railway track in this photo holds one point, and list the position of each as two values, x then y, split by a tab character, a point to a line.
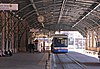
82	66
65	61
60	62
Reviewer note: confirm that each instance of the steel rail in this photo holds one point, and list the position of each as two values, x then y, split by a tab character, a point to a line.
78	63
60	61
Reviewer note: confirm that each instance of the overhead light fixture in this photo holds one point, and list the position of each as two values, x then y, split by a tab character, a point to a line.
51	12
16	15
21	19
51	15
13	12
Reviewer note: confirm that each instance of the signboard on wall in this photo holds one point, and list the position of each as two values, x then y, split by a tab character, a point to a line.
8	6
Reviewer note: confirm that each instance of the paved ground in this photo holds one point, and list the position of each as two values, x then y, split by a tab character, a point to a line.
24	61
90	61
84	58
38	60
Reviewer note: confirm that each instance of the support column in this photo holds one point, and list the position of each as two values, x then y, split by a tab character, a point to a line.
90	39
98	39
3	32
87	40
94	39
7	33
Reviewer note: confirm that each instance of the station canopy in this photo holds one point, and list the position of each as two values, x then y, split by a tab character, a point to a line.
54	15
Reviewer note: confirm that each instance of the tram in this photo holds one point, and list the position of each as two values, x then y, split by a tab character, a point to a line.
59	44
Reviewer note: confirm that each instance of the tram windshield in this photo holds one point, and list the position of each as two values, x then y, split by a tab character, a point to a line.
60	42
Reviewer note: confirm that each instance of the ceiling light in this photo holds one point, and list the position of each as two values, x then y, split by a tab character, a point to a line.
13	12
16	15
21	19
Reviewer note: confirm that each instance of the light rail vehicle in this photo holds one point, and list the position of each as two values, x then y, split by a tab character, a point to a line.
59	43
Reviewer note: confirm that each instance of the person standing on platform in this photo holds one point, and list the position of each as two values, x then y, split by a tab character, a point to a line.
99	55
33	47
29	47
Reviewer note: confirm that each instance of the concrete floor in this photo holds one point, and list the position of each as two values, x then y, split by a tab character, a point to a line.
24	61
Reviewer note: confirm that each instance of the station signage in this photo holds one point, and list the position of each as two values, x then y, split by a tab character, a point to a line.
8	6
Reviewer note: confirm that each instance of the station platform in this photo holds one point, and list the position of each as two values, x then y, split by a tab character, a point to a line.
24	61
38	60
84	57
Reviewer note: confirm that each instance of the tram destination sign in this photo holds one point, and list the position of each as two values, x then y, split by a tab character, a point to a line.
8	6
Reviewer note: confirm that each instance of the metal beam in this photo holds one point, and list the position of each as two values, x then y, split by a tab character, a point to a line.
86	15
34	6
29	13
20	21
62	9
81	31
96	15
94	21
23	8
34	23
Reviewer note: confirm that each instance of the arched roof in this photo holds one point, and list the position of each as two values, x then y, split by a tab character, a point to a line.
78	15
